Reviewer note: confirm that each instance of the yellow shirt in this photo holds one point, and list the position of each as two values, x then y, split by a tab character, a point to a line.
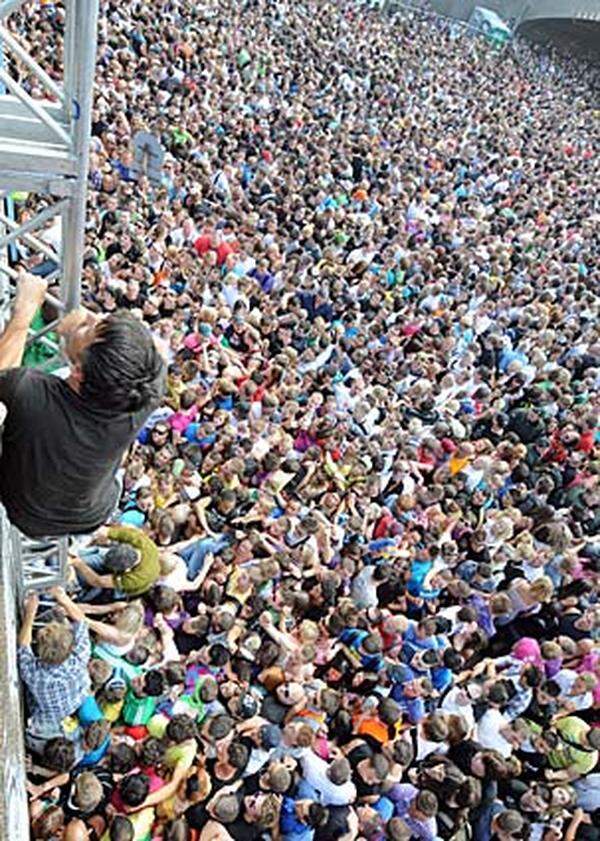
142	823
457	464
181	756
112	709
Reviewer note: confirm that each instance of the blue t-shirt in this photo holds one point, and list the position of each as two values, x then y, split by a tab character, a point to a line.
291	828
353	638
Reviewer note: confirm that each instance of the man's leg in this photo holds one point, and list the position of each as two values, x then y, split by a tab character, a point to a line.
195	554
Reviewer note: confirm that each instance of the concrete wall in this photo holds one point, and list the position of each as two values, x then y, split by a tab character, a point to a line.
14	816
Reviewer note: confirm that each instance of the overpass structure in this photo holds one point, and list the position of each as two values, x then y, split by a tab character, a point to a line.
523	11
573	25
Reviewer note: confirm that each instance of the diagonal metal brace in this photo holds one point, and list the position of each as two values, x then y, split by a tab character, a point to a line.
36	222
35	108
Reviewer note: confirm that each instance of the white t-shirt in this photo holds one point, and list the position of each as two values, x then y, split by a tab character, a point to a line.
565	679
488	734
178	577
451	705
315	774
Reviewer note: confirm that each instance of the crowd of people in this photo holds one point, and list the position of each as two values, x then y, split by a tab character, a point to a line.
351	589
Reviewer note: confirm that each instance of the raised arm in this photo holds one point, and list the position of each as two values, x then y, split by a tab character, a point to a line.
91	577
30	609
30	296
72	610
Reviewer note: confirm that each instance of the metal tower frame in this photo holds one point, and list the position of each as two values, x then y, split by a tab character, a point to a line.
44	148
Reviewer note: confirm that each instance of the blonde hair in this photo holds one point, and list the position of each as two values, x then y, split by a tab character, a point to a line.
168	562
542	589
309	631
269	811
54	643
305	736
131	618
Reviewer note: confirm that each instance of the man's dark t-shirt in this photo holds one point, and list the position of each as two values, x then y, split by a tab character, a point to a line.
337	824
60	455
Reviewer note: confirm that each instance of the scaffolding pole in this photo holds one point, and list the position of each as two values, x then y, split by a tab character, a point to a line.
44	152
44	145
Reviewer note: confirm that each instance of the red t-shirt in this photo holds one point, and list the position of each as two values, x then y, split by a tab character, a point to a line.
203	244
224	250
586	442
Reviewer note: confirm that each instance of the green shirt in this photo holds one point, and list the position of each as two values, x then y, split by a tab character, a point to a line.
572	731
137	711
140	579
38	353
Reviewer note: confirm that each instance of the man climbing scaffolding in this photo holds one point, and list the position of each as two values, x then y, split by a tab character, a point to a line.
63	440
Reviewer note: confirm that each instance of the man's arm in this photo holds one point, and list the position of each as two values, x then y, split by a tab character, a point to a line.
26	632
102	609
72	610
214	831
56	782
91	577
162	794
30	295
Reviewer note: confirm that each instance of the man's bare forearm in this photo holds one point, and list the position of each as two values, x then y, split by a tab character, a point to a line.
30	295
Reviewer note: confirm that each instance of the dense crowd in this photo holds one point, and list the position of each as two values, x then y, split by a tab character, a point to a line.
351	591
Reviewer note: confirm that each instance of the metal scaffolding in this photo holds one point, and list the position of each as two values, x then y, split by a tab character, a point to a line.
44	152
44	145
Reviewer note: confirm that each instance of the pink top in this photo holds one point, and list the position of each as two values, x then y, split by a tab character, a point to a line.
528	650
180	421
156	782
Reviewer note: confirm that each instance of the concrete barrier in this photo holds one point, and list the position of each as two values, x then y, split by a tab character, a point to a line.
14	814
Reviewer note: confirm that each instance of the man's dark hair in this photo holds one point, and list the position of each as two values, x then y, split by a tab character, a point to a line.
380	766
122	368
452	659
163	598
120	558
174	673
59	754
389	711
220	727
427	803
138	655
532	676
177	830
430	657
497	693
339	771
153	752
551	687
317	815
134	789
238	755
180	728
121	829
154	684
218	655
122	758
